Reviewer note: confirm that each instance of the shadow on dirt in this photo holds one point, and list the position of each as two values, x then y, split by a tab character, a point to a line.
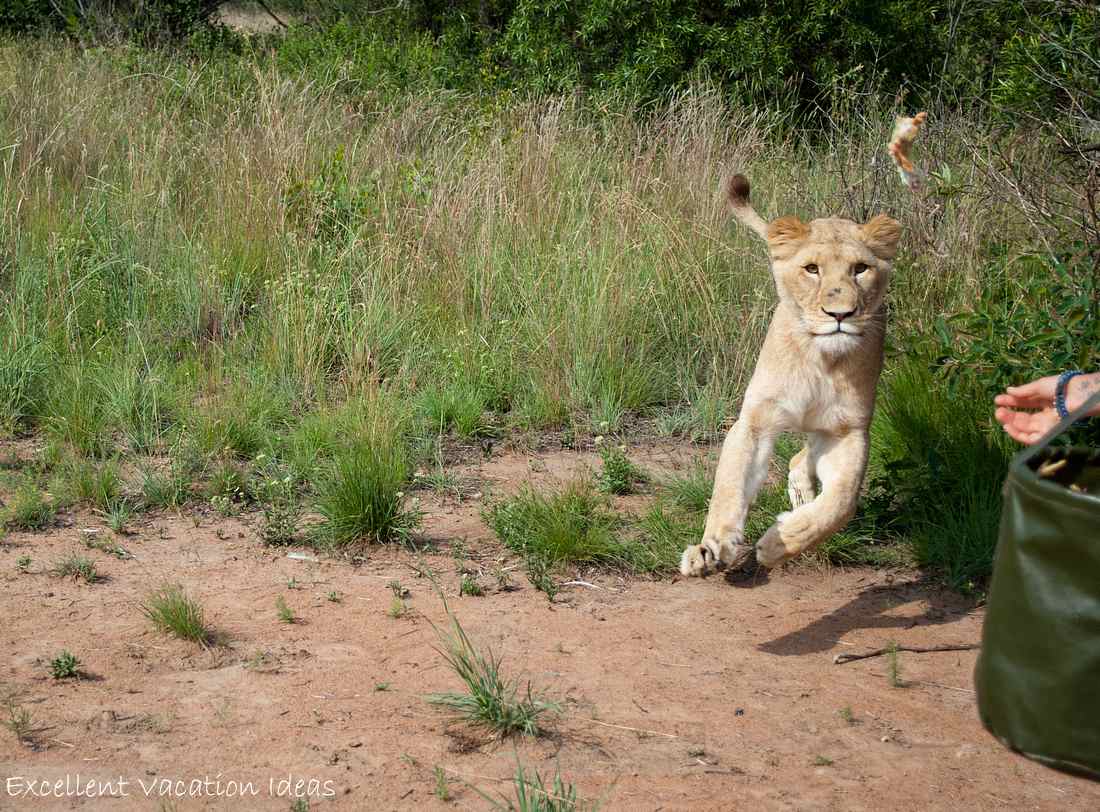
868	610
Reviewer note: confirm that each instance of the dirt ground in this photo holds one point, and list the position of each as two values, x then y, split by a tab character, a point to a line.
694	695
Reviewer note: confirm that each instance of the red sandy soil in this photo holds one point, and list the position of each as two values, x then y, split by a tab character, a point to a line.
676	694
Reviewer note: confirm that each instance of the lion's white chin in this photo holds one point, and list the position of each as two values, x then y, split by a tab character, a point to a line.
838	342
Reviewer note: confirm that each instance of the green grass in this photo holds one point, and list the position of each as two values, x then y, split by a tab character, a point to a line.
490	699
943	466
166	489
29	509
362	498
77	567
19	721
85	481
893	666
546	263
532	793
573	525
173	612
285	613
691	491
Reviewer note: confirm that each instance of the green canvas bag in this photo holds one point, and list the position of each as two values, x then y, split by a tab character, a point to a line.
1038	673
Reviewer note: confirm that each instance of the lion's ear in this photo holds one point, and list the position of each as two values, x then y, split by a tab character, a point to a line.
785	235
881	235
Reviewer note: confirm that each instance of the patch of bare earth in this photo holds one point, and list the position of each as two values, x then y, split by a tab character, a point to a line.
677	694
251	18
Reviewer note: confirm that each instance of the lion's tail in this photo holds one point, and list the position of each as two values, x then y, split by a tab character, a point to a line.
737	196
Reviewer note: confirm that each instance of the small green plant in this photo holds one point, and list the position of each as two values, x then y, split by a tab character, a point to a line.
846	714
292	583
442	790
398	608
286	614
822	761
532	794
490	700
279	523
334	597
29	509
503	578
171	611
619	476
470	586
92	542
19	720
118	515
540	572
893	666
382	686
65	666
300	804
228	483
77	567
23	563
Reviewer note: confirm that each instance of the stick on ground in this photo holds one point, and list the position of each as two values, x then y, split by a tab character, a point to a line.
840	659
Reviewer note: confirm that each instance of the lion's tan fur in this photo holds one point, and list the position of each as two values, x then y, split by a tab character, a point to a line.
816	374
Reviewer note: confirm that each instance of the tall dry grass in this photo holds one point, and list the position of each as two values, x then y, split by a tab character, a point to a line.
205	227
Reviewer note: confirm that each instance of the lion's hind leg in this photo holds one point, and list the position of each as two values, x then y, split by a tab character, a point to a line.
800	478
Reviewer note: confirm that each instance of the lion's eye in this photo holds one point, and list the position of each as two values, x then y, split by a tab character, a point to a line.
811	268
858	268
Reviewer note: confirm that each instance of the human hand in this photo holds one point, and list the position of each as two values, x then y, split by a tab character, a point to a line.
1027	412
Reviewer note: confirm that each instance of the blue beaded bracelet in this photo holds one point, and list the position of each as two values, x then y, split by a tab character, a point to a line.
1060	393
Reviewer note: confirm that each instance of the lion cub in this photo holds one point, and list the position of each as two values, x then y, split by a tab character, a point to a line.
816	374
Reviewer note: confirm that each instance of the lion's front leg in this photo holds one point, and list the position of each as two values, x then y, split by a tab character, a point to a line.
840	463
741	470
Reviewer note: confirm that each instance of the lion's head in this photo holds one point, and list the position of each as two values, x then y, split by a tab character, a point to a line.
833	271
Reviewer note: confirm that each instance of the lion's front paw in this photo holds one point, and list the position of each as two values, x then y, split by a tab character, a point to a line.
772	550
698	559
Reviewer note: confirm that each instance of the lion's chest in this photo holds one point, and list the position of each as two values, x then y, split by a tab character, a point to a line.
808	401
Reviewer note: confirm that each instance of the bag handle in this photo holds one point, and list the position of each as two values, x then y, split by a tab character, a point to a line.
1059	429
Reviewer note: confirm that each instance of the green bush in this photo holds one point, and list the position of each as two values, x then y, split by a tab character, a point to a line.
942	462
1031	318
148	20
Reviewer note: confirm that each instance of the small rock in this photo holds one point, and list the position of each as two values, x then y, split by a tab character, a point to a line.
885	739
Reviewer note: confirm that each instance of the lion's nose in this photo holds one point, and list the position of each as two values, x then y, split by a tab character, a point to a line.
839	315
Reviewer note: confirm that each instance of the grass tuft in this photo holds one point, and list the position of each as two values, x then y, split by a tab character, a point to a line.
490	700
29	509
77	567
362	498
172	612
533	794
